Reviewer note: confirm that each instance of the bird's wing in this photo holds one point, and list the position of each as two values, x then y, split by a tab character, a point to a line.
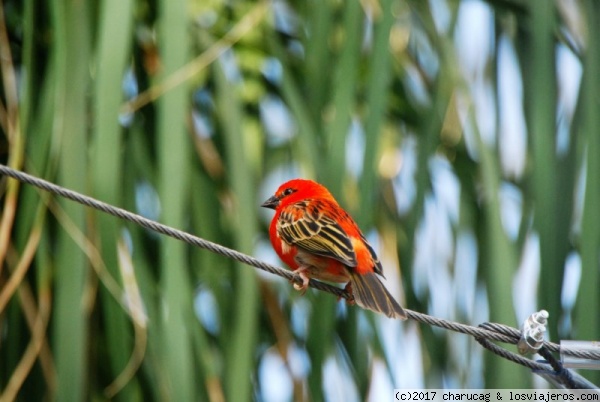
310	225
377	268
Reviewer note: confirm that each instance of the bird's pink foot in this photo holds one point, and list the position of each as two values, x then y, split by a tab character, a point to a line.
305	280
348	290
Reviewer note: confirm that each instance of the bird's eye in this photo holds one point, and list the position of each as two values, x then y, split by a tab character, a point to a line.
288	191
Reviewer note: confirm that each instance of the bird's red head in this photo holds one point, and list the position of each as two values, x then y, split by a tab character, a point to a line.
296	190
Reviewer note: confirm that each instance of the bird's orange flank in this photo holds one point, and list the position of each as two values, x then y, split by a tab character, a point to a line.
318	239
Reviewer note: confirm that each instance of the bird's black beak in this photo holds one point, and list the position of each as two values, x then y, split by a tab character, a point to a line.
272	203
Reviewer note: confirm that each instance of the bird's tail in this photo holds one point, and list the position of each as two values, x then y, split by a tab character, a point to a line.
371	294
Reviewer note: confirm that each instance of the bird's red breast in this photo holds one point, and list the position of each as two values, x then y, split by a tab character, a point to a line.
311	232
310	228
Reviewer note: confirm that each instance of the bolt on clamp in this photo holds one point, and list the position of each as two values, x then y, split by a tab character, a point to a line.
532	335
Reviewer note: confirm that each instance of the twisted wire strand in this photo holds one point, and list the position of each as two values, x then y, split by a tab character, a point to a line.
490	331
508	355
166	230
560	371
515	336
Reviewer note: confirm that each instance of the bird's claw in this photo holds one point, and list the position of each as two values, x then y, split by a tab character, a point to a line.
348	289
305	281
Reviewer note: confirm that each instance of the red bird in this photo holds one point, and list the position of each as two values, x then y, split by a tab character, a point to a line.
318	239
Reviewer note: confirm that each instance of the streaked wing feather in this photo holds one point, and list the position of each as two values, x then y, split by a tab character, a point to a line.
370	293
377	268
314	231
